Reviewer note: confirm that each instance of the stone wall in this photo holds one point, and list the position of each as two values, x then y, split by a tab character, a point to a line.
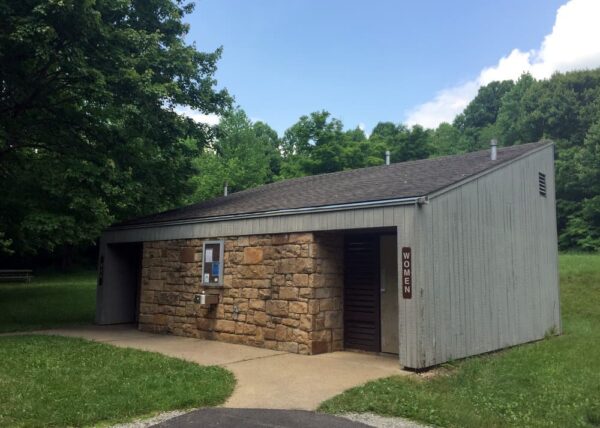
280	292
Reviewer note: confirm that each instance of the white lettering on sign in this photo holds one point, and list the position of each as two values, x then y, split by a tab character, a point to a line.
406	273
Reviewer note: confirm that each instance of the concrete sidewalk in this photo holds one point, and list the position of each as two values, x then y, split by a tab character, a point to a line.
265	379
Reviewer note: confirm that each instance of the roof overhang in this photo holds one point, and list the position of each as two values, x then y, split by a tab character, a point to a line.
414	200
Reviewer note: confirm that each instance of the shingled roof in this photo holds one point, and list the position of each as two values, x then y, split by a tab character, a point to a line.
379	183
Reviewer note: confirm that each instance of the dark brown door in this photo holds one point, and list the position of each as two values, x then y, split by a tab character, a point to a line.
361	293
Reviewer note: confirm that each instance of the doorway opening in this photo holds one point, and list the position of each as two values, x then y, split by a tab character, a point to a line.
371	292
120	283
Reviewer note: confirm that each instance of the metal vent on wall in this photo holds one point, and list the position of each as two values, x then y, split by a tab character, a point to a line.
542	183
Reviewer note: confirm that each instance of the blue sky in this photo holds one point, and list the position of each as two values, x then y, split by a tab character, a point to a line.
368	61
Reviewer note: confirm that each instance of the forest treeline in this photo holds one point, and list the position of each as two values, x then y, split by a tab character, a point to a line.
564	108
90	132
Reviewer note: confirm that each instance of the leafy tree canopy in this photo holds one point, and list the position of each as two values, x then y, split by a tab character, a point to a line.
90	134
88	128
244	155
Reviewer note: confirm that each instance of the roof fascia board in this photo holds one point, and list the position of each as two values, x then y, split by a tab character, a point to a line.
474	177
292	211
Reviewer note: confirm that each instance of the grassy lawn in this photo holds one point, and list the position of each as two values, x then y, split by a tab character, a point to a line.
51	300
59	381
554	382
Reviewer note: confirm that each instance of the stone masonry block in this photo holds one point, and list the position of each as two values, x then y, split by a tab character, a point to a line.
280	239
301	238
225	326
298	307
294	265
277	307
288	293
253	255
300	280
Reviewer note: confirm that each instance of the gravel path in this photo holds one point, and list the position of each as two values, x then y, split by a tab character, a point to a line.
144	423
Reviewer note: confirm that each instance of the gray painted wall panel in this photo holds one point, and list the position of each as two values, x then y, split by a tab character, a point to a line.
350	219
409	310
492	268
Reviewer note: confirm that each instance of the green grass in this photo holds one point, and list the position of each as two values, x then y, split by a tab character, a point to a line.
554	382
59	381
51	300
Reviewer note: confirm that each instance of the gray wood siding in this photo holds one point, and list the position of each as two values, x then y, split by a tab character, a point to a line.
337	220
488	250
409	313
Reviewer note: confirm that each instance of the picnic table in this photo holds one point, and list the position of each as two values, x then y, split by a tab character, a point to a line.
16	275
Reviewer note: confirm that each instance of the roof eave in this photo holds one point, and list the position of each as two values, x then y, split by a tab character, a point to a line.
413	200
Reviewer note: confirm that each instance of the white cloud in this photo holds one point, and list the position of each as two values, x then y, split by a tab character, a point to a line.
572	45
209	119
446	104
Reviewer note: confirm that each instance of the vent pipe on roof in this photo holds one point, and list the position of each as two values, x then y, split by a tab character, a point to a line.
494	144
387	157
225	189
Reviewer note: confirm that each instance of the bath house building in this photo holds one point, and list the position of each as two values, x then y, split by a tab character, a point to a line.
432	260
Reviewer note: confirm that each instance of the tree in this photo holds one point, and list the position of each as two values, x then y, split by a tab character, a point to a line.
385	133
445	140
511	115
483	109
318	144
404	143
272	146
313	145
415	146
89	133
360	152
481	114
582	228
242	156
